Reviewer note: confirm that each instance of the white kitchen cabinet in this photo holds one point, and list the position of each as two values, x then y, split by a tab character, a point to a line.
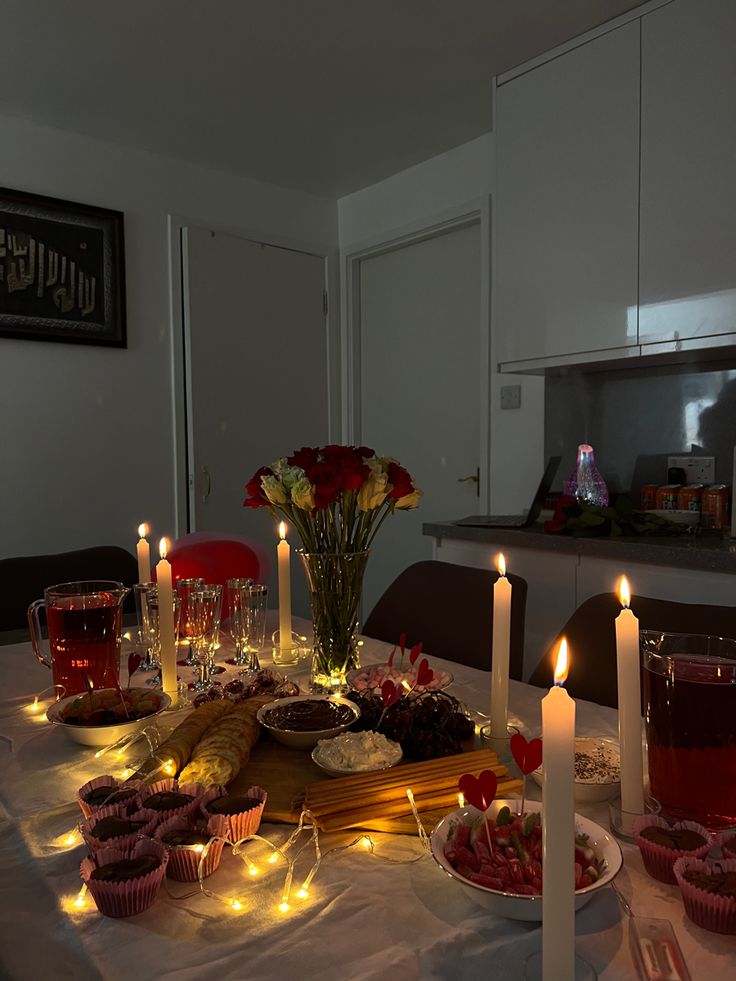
688	172
566	208
683	585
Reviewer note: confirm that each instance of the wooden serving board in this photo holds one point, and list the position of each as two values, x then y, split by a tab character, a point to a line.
286	773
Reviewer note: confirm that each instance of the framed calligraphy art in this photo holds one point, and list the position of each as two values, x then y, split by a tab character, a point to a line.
62	271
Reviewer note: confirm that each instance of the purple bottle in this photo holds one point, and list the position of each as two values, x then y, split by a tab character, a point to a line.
585	482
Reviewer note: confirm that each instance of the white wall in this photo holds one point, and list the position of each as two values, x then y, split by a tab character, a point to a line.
422	195
87	433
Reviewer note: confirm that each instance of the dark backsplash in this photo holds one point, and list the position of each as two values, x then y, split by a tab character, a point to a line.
636	417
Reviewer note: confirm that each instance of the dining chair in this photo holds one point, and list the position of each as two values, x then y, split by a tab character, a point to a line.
449	608
24	578
591	635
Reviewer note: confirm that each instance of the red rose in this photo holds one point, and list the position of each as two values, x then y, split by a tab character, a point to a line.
401	482
352	476
256	498
326	484
365	451
305	458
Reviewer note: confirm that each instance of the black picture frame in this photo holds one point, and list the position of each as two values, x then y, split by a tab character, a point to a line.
62	271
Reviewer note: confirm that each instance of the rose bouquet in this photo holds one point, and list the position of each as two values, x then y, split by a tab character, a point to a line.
337	497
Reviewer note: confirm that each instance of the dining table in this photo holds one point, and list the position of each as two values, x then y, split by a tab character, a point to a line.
389	912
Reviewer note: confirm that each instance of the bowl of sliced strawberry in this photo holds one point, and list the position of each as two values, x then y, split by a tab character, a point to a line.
501	866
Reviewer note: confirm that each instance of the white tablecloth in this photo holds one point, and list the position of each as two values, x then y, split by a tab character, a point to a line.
364	919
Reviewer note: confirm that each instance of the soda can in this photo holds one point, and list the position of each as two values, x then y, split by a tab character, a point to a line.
667	497
649	497
689	497
714	505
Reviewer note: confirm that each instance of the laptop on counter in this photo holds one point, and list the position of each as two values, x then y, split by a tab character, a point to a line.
518	520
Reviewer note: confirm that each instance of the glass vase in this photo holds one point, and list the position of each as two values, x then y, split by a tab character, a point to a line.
585	482
335	581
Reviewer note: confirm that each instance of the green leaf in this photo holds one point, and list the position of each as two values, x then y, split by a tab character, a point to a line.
591	518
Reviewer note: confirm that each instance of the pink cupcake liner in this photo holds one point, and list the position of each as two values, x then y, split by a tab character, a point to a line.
123	842
659	861
184	862
196	790
107	780
715	913
125	898
239	825
722	838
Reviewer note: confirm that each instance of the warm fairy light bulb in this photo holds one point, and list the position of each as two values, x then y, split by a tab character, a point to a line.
366	841
273	857
303	893
624	592
142	530
282	530
169	767
501	564
70	838
461	799
79	902
410	795
127	772
127	635
35	706
236	904
199	849
163	547
563	663
253	870
284	906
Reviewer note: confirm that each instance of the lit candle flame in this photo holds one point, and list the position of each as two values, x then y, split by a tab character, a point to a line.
163	547
563	663
142	530
624	592
282	530
501	564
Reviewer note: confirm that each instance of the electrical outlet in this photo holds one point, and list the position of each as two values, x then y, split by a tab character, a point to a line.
698	469
511	396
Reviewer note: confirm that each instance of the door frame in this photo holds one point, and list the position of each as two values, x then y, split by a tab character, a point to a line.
474	212
181	383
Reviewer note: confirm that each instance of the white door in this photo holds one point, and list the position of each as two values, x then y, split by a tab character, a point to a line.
256	373
420	385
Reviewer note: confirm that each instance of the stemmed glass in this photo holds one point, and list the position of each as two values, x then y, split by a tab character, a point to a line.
237	601
141	591
184	590
206	605
154	633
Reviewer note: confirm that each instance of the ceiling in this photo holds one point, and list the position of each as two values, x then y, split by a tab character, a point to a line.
326	96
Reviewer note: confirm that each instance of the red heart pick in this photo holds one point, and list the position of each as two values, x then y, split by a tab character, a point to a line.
528	754
134	662
390	661
479	791
390	693
402	643
425	674
414	653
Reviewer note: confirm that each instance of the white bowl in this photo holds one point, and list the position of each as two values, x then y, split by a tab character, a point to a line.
525	907
335	771
305	740
106	734
371	677
679	516
588	791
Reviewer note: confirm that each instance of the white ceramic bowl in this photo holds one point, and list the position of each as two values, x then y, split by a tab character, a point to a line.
102	735
334	771
525	907
588	791
679	516
371	677
305	740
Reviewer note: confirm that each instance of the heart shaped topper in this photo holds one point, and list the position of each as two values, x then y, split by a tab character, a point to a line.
414	653
479	791
425	675
527	753
390	693
134	662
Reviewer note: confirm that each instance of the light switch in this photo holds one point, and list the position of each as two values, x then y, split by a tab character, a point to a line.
511	396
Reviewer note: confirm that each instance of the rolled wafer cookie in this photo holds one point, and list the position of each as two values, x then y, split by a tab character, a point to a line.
225	748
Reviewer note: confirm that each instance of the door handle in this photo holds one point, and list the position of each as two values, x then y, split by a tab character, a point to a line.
208	484
475	477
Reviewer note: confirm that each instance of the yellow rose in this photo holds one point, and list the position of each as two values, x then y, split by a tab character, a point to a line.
373	492
409	500
274	490
302	494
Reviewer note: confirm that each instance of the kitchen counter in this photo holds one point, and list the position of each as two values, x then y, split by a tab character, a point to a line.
709	552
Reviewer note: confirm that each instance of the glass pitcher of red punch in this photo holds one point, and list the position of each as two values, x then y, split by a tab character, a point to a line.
690	705
84	627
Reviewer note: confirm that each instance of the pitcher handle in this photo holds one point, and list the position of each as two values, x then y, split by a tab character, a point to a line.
34	625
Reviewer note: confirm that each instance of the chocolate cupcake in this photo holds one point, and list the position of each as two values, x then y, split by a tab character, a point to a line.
114	827
661	844
727	841
125	883
106	791
188	843
708	892
170	799
242	811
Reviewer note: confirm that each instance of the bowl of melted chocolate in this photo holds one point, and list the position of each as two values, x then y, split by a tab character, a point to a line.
302	720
